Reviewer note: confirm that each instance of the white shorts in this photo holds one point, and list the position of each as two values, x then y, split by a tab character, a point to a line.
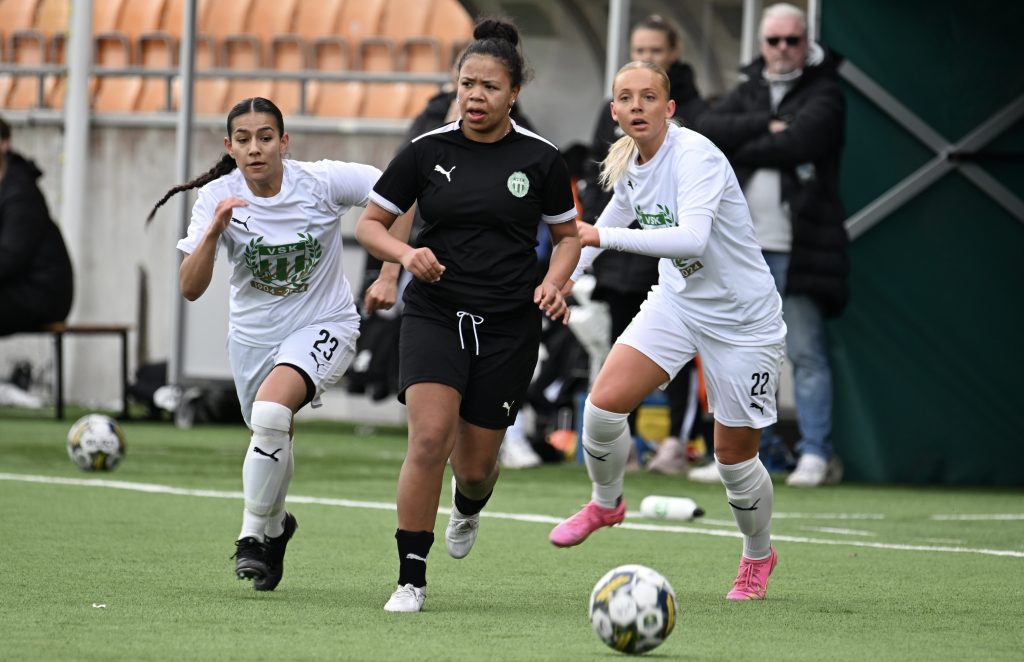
741	380
322	351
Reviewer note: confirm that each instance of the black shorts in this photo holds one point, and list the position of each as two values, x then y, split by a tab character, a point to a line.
488	359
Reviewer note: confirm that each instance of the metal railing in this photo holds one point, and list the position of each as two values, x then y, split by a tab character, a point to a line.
170	74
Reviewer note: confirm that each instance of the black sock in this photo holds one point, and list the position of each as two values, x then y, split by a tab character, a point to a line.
469	506
414	544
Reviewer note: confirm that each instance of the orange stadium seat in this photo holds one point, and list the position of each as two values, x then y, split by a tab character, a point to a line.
269	20
338	99
153	26
208	94
387	100
115	94
330	98
220	19
317	24
400	21
244	59
359	19
15	15
155	52
140	17
112	48
419	95
40	44
288	56
28	91
317	19
452	26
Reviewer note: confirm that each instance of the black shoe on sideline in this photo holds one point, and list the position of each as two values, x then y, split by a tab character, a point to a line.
275	555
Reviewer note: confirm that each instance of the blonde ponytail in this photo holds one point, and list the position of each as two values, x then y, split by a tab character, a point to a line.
620	155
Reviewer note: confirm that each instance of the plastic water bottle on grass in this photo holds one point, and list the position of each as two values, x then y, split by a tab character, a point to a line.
666	507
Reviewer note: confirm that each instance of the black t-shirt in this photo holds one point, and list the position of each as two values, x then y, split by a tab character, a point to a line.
481	205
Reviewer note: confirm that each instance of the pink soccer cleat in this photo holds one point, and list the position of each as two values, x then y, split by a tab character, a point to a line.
752	579
592	517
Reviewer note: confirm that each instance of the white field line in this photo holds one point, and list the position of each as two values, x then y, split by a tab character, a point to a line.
153	488
997	517
828	516
839	532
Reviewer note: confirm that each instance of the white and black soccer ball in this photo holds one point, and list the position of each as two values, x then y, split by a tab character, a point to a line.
633	608
96	443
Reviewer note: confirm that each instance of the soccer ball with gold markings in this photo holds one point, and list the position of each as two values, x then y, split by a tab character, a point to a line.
633	608
96	443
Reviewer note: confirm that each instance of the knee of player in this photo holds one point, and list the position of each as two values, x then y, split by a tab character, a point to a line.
270	418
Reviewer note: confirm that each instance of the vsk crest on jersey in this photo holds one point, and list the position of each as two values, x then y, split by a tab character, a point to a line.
285	269
663	219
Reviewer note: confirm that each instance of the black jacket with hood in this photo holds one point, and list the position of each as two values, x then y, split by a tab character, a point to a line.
36	283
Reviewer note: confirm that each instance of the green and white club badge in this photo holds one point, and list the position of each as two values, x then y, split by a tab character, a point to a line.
518	184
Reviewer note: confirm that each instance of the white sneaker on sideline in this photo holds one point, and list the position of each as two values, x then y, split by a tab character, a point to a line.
814	470
706	474
670	459
407	598
517	453
461	532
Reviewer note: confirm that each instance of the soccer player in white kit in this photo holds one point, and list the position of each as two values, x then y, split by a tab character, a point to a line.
293	323
715	296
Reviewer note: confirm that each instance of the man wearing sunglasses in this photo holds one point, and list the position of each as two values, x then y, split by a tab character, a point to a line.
782	129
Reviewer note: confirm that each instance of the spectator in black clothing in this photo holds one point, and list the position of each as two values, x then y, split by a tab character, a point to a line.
36	281
624	279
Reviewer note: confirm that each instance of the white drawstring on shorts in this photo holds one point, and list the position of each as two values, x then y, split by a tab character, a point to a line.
475	319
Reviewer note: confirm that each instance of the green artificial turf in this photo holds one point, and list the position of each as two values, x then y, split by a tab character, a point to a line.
93	572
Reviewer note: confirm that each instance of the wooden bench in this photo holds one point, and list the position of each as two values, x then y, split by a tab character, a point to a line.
61	329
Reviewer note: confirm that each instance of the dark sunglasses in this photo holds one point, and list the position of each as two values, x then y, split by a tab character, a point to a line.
790	41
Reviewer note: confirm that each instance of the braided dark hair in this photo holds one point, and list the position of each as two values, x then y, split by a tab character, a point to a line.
499	38
227	162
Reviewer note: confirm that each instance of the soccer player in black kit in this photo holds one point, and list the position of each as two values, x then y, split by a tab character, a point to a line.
472	318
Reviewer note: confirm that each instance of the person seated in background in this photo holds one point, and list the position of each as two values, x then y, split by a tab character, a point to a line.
36	280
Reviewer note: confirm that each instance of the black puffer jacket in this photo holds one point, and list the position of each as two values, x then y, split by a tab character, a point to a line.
621	271
807	155
35	272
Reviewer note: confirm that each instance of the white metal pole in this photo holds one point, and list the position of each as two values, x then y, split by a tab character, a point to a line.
618	19
751	24
186	63
76	128
813	20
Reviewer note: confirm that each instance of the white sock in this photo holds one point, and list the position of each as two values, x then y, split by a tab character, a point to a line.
606	443
265	466
749	490
275	524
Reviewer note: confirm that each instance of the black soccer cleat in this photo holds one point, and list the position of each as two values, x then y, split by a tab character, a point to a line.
250	559
275	555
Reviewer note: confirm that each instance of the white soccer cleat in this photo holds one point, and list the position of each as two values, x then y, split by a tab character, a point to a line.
461	532
407	598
